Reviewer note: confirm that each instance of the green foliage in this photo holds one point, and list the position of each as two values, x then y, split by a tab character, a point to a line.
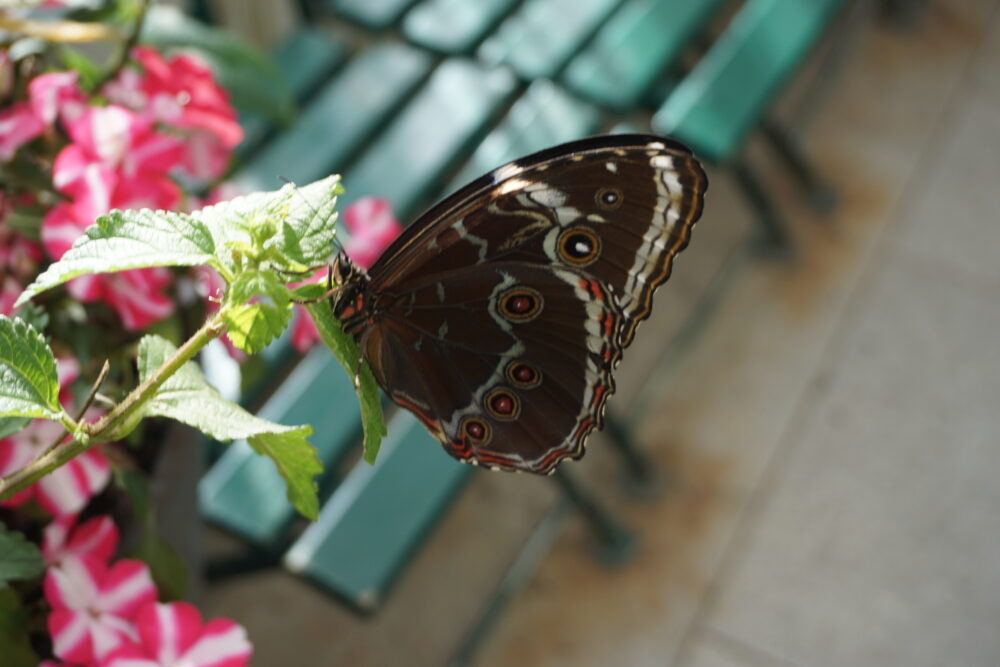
124	240
253	81
15	643
187	397
347	354
19	558
253	326
29	386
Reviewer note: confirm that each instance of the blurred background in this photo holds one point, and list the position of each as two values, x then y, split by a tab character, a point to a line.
801	464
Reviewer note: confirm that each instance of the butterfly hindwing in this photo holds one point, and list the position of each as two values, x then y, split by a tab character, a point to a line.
508	364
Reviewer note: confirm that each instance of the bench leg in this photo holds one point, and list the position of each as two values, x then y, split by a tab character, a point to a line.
617	543
643	479
775	238
822	197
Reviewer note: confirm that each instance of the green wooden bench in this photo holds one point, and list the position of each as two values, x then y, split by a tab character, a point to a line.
401	123
728	93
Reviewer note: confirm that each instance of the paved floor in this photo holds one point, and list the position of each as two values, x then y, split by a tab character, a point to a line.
831	439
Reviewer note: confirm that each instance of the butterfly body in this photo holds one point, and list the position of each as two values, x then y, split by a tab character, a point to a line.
498	317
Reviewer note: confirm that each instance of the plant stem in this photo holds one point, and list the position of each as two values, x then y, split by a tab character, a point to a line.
116	423
130	42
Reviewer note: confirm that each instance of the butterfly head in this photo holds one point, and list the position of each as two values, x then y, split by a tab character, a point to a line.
351	283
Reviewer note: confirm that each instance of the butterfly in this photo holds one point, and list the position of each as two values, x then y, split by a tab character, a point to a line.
499	316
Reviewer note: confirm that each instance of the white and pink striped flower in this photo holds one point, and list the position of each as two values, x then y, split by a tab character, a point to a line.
56	94
64	491
372	227
173	634
97	537
18	126
93	605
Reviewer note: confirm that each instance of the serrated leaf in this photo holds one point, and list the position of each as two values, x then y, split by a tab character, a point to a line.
15	637
308	232
298	464
29	386
124	240
19	558
259	283
251	79
187	397
346	351
302	216
251	327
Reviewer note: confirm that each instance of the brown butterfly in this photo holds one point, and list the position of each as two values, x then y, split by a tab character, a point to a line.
498	317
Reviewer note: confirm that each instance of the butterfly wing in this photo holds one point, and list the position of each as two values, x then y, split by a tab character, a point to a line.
618	206
580	235
508	365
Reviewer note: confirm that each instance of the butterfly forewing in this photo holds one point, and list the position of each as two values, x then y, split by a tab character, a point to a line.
498	316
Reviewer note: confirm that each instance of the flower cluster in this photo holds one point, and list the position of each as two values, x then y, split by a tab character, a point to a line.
166	119
105	613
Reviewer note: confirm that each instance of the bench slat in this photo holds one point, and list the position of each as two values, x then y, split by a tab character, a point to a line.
345	113
305	57
454	26
539	39
441	125
543	116
640	40
378	515
723	97
373	14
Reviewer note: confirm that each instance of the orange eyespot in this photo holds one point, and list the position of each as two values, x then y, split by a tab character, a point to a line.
476	430
579	246
608	198
503	404
520	304
523	375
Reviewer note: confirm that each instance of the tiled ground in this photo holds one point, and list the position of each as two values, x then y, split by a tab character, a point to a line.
829	441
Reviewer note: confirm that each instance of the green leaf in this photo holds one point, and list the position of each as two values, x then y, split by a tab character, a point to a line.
344	348
19	558
310	227
124	240
29	386
259	283
167	567
15	639
76	60
187	397
254	82
297	462
251	327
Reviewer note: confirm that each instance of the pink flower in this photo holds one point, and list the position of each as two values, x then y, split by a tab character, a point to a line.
93	605
97	537
18	126
183	93
65	490
9	292
56	94
372	228
118	140
173	634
